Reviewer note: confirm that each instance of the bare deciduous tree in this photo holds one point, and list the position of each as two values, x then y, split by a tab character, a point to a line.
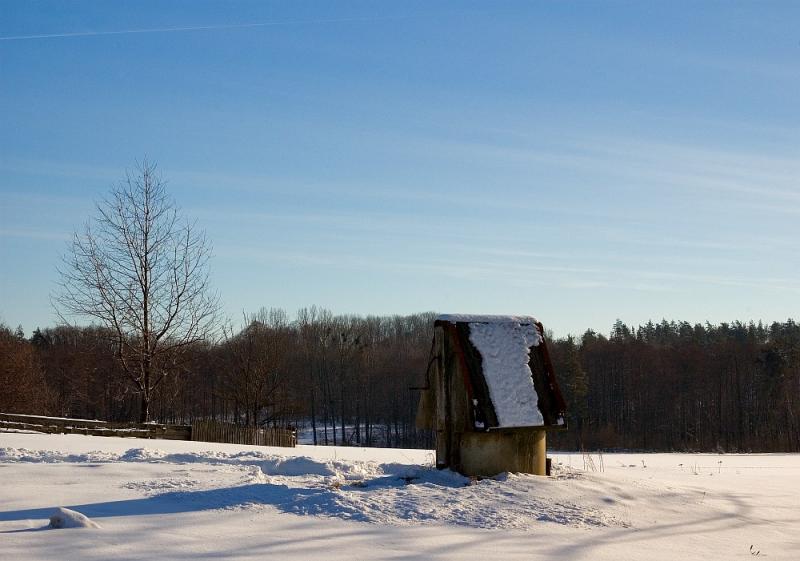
255	361
141	271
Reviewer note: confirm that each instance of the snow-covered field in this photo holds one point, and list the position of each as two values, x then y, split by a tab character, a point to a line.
186	500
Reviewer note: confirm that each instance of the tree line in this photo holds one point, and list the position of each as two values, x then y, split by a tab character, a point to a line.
341	379
349	380
138	273
681	386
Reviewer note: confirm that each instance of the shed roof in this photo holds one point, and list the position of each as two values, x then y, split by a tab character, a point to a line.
478	318
521	387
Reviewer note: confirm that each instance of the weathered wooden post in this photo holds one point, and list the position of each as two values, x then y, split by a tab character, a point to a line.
540	452
490	395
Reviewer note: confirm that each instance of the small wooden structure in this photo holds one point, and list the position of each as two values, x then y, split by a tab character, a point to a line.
490	395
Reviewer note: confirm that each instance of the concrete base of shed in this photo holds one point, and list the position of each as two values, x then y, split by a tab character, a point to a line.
489	453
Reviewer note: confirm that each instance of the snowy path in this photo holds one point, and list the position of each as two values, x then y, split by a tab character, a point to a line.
176	500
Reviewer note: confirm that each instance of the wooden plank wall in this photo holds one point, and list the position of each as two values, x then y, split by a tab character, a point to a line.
215	431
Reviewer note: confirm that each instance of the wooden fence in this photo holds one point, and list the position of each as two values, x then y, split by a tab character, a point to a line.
202	431
58	425
215	431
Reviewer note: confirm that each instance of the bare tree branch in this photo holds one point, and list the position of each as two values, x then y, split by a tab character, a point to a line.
139	270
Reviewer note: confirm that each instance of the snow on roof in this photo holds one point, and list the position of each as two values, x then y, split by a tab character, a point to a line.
504	346
472	318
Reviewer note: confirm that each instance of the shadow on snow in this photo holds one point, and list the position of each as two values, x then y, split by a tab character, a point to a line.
318	501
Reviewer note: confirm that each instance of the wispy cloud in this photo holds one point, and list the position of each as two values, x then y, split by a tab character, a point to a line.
518	272
37	200
32	234
646	163
56	168
198	28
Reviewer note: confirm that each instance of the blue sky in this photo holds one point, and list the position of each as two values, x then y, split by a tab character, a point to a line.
578	161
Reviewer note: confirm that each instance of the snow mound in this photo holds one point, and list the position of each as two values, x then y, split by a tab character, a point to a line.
52	457
384	493
412	497
270	464
66	518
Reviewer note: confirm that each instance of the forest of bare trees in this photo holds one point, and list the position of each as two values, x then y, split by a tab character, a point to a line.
346	380
137	272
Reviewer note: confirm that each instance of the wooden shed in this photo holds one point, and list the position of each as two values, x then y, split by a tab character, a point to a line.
490	394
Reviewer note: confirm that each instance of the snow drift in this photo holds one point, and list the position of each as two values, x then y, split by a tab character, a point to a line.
66	518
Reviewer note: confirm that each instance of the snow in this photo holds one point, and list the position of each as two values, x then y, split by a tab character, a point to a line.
472	318
505	353
184	500
66	518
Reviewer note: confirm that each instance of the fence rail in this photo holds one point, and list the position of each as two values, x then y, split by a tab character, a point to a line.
58	425
215	431
201	431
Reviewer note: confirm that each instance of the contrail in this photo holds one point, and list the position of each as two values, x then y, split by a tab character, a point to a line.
195	28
